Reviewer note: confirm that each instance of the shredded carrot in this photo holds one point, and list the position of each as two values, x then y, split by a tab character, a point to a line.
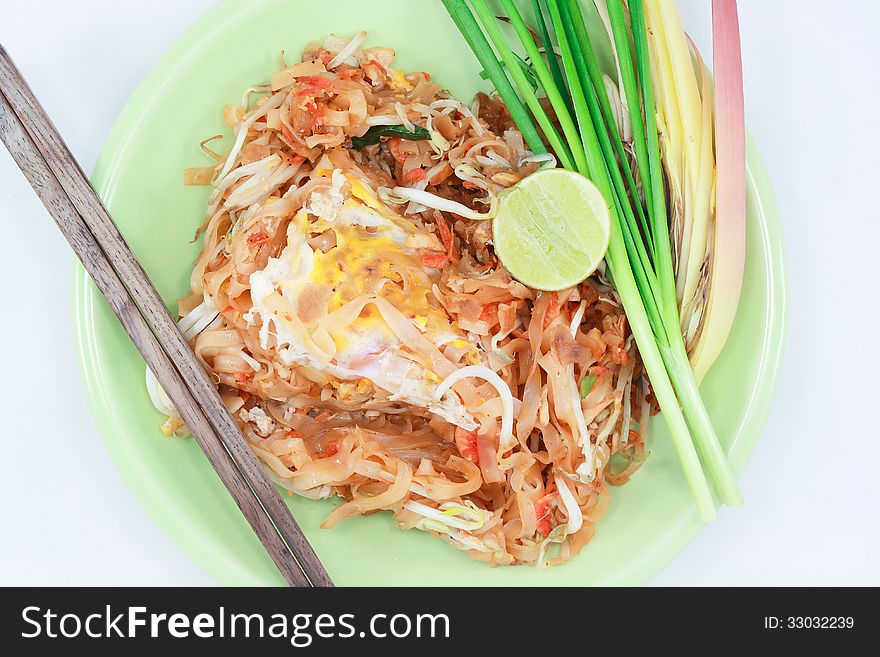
544	522
258	239
415	175
427	75
312	85
394	147
553	309
331	449
227	309
293	433
490	313
434	260
373	62
466	442
287	136
446	237
542	510
315	109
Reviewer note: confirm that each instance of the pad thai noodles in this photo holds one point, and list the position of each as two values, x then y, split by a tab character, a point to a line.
349	305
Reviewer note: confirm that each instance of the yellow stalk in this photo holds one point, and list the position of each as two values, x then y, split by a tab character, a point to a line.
684	119
703	203
602	9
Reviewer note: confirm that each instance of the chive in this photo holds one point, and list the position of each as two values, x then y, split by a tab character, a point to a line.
587	384
554	95
588	68
524	65
639	256
487	18
660	286
621	43
529	71
549	52
657	207
685	382
581	64
472	33
374	134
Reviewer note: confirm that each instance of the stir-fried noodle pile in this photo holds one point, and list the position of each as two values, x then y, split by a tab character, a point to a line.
348	304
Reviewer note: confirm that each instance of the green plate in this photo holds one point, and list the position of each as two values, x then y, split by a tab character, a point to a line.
139	176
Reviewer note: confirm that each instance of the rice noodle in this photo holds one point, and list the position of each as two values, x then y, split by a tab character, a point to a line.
349	305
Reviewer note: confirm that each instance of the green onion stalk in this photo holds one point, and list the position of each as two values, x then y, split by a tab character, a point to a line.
639	257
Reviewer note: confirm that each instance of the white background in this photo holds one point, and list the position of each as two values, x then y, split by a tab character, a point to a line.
813	89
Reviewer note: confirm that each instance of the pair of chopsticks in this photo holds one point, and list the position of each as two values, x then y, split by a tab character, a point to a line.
64	189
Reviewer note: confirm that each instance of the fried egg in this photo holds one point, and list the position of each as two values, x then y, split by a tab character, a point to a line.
350	271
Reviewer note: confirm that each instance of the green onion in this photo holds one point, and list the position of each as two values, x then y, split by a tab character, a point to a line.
639	257
554	95
529	71
682	373
487	17
524	65
549	52
374	134
587	384
472	33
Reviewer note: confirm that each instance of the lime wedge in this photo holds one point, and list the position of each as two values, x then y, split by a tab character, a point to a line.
552	229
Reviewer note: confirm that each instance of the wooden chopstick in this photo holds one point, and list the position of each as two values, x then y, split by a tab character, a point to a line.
65	191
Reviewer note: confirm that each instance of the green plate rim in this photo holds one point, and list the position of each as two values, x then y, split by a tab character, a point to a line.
162	510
